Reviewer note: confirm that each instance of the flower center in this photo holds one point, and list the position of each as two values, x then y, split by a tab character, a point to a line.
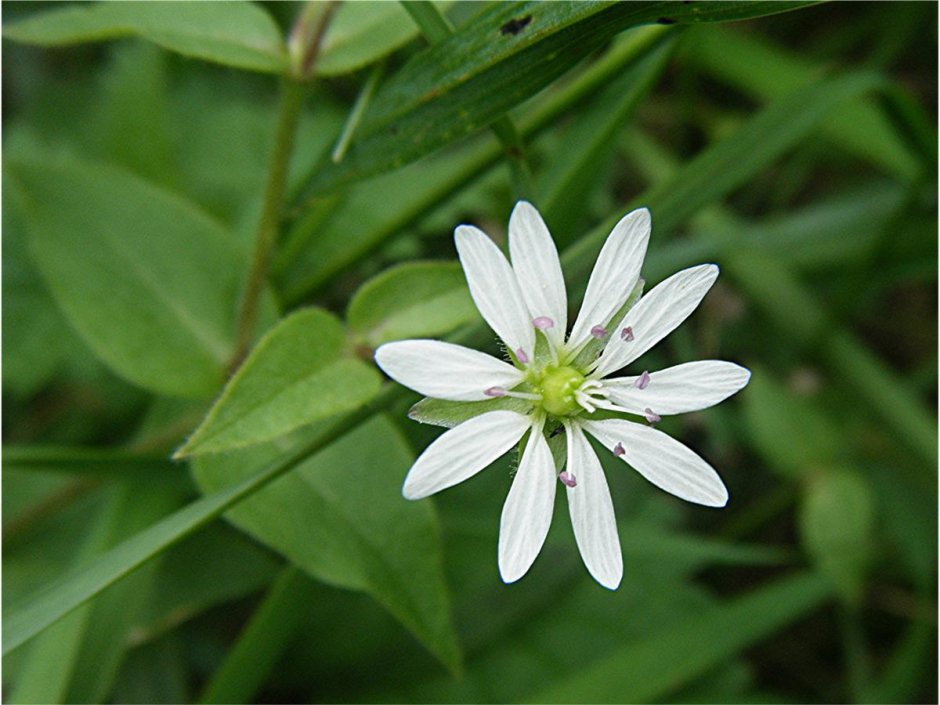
558	388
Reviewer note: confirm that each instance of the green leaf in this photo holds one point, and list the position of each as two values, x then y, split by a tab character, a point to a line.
651	668
777	417
238	34
146	278
441	412
380	208
413	300
271	629
766	71
836	525
341	517
470	79
363	32
296	375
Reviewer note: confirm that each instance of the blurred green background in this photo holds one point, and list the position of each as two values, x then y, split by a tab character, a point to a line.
796	150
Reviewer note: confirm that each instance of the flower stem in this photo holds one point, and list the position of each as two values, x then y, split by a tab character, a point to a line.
288	114
436	27
304	46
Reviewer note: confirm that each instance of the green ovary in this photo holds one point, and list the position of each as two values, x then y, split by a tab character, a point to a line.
557	387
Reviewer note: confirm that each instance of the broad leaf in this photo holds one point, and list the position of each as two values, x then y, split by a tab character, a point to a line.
776	416
147	279
836	525
341	517
504	56
238	34
363	32
413	300
297	374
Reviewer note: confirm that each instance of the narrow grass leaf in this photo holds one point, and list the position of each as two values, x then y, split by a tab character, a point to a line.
652	668
239	34
296	375
755	65
506	55
272	626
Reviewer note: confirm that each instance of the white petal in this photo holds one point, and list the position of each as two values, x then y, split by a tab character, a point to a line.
615	274
535	262
527	513
444	370
494	289
676	390
463	451
592	512
656	315
662	460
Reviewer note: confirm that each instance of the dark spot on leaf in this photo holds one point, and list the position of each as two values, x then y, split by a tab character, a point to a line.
515	25
665	20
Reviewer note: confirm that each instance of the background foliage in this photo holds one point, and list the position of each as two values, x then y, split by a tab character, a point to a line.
274	558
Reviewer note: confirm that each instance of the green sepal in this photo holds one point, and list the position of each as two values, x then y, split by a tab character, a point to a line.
440	412
595	347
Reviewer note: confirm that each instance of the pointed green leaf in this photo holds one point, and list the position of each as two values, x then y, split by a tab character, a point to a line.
239	34
146	278
441	412
413	300
297	374
363	32
504	56
341	517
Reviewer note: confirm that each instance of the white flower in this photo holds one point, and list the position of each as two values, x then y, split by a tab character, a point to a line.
563	382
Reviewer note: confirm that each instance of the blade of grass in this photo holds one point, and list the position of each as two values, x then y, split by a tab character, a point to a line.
651	669
62	596
270	630
436	28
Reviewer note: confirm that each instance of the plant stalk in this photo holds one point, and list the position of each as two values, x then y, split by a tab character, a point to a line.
436	27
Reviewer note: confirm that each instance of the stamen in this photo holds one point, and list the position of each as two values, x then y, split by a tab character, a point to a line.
626	335
567	479
524	395
543	322
619	450
643	381
599	332
584	401
495	392
521	356
651	416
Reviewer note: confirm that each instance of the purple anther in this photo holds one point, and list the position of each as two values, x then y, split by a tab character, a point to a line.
522	357
626	335
599	332
495	392
643	381
567	479
651	416
619	450
543	322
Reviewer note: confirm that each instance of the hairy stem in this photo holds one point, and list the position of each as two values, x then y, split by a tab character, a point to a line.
288	114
